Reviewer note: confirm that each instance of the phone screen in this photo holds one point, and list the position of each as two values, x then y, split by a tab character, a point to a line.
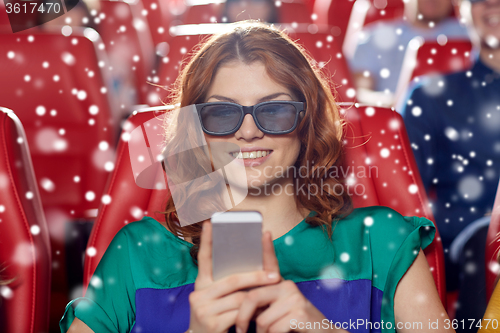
236	243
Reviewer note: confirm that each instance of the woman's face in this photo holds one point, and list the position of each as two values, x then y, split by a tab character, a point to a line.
486	20
248	85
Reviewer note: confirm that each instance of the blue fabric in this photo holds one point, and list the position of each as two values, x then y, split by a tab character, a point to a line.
453	123
383	45
167	310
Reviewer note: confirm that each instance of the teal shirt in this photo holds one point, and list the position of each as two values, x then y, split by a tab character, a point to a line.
143	281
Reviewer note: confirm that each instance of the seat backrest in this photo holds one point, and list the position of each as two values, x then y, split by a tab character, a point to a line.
376	142
493	247
24	237
294	12
203	13
125	33
60	95
180	47
334	14
427	57
327	52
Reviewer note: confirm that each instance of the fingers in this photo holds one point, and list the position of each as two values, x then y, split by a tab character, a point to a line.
276	312
269	260
220	323
228	303
241	281
255	299
205	256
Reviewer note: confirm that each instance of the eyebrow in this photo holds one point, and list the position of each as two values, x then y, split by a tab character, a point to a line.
263	99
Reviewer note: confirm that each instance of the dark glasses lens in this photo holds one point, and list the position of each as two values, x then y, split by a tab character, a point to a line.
220	118
276	117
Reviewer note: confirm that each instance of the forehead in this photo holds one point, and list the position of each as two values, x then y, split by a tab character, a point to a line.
241	81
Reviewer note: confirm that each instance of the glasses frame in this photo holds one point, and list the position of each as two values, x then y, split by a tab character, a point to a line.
299	107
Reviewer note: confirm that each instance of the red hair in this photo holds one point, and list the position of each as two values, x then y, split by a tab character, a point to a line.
320	131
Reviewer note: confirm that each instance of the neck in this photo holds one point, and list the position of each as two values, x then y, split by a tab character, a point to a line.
491	57
279	211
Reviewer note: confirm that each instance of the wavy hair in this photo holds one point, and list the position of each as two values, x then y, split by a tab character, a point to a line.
320	131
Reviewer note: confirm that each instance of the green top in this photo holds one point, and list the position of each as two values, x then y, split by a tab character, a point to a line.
144	279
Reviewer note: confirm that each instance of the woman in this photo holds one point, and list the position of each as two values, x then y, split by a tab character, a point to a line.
321	261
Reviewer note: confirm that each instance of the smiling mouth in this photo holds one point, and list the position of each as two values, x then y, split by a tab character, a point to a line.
251	154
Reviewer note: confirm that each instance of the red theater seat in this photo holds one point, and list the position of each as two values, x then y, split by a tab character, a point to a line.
24	237
203	13
56	85
294	12
327	52
125	33
493	247
423	58
376	140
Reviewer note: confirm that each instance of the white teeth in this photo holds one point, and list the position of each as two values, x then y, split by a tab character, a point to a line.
251	154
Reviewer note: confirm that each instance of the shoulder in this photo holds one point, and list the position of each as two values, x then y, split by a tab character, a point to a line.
148	236
393	239
432	95
158	258
384	220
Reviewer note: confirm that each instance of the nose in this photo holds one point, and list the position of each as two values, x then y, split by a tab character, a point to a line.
248	130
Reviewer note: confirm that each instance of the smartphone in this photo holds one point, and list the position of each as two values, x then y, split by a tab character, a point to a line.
236	243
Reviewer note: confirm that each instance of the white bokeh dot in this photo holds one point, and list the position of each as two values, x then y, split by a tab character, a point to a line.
384	152
109	166
81	95
40	110
93	110
413	188
91	251
385	73
35	229
344	257
90	196
106	199
103	145
368	221
416	111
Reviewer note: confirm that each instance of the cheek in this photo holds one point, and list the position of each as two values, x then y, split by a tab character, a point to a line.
292	150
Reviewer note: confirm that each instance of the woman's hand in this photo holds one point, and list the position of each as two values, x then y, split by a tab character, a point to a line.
285	303
214	304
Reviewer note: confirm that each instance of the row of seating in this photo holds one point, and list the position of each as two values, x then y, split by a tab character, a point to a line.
72	116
